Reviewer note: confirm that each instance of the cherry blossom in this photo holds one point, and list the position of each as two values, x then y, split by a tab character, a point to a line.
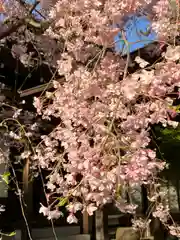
105	112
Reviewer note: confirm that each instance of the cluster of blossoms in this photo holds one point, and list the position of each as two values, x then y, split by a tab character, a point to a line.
104	130
12	8
101	143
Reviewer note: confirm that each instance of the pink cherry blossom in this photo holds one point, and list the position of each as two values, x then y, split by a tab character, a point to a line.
91	208
105	112
72	218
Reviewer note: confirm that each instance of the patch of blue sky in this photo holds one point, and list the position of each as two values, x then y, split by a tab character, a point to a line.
138	34
38	7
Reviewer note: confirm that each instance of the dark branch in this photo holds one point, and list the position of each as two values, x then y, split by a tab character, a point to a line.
12	28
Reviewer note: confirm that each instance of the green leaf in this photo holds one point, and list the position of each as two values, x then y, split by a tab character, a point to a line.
178	137
167	131
12	234
8	234
5	177
33	23
62	202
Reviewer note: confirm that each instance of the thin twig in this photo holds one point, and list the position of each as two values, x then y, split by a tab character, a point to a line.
21	203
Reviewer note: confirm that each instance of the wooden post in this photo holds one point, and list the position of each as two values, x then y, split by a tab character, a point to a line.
101	223
85	222
86	225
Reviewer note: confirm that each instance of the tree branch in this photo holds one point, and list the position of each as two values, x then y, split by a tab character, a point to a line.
12	28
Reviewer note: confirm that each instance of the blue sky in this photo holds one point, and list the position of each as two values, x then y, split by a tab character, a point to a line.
135	29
